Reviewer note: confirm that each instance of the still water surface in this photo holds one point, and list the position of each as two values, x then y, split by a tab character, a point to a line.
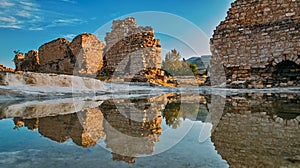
167	130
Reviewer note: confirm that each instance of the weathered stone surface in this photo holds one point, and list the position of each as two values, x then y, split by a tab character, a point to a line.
29	62
154	76
3	74
18	61
81	57
87	50
255	38
56	57
5	69
131	48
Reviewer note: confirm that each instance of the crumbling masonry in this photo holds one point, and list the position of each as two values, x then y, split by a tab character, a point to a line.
83	56
130	49
258	45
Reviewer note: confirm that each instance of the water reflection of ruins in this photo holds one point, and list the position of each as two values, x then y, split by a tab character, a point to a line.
259	130
129	127
248	129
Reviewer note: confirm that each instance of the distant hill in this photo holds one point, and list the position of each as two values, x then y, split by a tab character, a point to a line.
197	61
201	62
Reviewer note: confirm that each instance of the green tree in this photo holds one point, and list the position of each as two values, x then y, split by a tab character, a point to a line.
172	114
172	62
193	68
175	66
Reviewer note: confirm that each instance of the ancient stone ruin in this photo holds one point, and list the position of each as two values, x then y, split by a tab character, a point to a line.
88	53
83	56
29	62
131	48
131	53
5	69
258	45
56	57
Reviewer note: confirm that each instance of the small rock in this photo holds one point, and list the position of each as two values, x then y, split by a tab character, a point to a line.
290	14
283	84
298	118
279	120
290	83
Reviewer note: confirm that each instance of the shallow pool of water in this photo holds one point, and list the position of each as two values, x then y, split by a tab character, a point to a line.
169	130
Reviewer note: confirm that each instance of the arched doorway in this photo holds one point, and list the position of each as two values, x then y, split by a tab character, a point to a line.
287	72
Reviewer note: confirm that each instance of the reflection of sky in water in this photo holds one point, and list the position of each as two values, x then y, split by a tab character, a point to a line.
26	148
247	118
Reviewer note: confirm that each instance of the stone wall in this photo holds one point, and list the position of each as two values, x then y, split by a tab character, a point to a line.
56	57
83	56
255	38
87	50
18	59
29	62
154	76
5	69
131	48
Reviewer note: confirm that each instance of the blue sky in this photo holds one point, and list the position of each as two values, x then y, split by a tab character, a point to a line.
27	24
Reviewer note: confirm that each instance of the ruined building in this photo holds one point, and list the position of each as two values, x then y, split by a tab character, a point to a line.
131	54
131	48
258	44
5	69
56	57
82	56
29	62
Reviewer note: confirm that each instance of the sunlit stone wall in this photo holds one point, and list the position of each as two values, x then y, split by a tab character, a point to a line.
254	39
82	56
131	48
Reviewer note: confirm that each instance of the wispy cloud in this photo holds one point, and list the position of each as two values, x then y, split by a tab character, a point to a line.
10	26
68	21
9	19
69	36
5	4
23	13
64	22
36	28
69	1
35	15
27	3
